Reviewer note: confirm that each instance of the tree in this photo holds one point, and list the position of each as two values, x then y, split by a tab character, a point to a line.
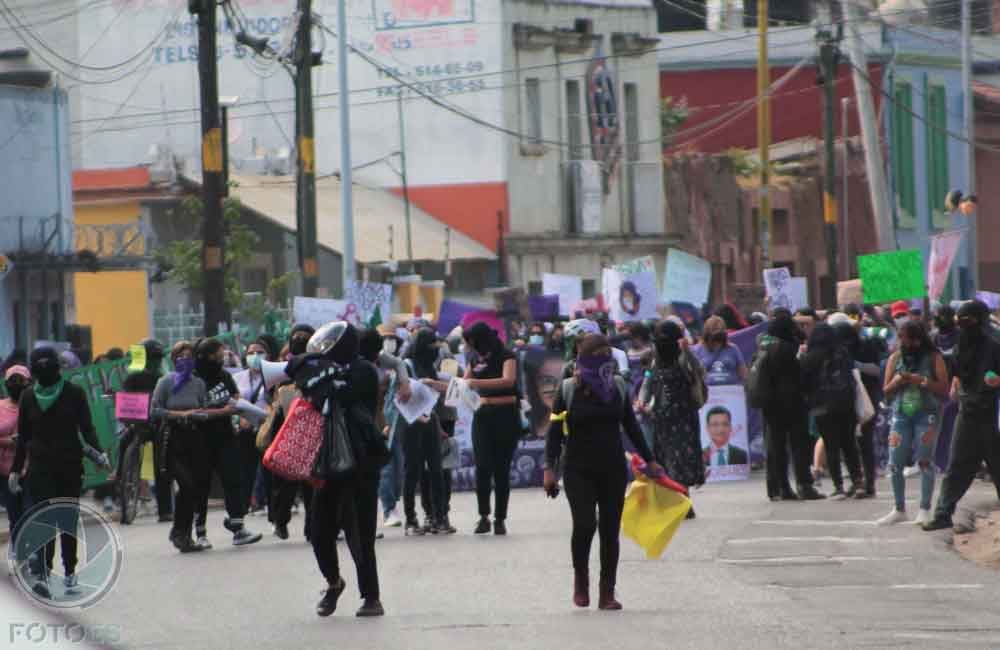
673	113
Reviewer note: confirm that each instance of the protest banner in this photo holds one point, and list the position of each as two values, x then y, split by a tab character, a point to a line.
746	341
630	290
317	312
544	307
451	315
797	291
895	275
373	302
944	247
569	288
724	434
687	278
849	292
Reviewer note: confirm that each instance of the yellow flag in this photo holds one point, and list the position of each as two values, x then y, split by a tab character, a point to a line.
652	514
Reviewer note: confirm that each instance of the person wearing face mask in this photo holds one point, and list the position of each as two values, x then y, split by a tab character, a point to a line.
916	379
945	334
594	472
250	383
536	335
178	397
16	380
722	361
221	444
900	312
496	426
976	386
52	416
283	491
334	375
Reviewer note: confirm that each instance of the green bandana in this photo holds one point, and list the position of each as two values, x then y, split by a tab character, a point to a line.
46	397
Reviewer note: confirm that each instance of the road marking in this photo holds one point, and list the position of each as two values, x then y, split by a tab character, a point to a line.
812	522
904	587
814	559
831	539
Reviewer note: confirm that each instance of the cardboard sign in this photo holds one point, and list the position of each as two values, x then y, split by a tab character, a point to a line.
849	292
132	407
687	278
895	275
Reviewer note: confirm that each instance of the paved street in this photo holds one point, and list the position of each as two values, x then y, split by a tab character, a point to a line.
746	574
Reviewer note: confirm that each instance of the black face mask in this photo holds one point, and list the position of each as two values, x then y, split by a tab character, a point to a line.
46	371
14	389
297	346
208	368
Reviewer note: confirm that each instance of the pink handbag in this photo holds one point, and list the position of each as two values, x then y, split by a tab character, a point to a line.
292	453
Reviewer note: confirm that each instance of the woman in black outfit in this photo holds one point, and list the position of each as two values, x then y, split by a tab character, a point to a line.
594	465
492	372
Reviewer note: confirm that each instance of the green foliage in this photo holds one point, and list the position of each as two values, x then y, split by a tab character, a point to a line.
673	113
745	164
181	259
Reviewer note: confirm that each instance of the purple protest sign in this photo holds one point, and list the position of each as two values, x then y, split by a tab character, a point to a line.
544	307
132	406
746	340
451	315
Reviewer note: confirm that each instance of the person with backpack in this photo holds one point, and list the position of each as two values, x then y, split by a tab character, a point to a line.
774	385
916	378
588	414
828	380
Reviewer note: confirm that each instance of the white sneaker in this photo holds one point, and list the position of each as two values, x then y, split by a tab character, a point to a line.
392	519
893	517
911	471
203	543
923	516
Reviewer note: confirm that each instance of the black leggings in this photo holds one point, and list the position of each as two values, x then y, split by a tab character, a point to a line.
787	428
495	431
603	491
222	456
351	506
186	463
283	493
422	447
837	430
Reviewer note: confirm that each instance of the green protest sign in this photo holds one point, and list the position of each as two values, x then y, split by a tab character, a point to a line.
896	275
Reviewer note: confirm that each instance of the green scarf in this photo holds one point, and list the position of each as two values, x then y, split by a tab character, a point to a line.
46	397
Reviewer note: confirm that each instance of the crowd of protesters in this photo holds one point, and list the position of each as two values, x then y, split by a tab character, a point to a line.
811	375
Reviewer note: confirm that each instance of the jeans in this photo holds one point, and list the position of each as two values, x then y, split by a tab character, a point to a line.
975	439
908	432
837	430
596	500
390	487
495	431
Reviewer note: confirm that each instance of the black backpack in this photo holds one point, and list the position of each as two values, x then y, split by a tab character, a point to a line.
834	392
760	387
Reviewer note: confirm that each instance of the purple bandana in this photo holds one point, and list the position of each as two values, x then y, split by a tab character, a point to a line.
598	374
182	372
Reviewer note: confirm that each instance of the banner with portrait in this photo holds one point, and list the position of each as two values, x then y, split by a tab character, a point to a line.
724	434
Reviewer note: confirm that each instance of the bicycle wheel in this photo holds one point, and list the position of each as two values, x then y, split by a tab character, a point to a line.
128	480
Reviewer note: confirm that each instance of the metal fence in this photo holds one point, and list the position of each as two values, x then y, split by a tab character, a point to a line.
184	324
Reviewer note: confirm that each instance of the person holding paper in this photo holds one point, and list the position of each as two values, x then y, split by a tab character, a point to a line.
52	417
496	427
250	383
17	378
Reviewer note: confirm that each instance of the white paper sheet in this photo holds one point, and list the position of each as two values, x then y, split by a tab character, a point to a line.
421	402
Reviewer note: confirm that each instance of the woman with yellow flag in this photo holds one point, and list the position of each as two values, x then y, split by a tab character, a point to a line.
588	414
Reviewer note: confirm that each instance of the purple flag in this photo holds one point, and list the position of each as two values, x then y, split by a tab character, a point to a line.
544	307
451	315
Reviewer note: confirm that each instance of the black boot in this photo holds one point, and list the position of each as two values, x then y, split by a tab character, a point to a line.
328	604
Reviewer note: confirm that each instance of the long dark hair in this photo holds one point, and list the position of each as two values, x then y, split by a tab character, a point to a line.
667	342
915	329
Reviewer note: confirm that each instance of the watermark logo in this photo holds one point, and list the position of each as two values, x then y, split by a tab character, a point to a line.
65	555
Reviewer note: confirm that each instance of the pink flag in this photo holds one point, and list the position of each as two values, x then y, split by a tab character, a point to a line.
943	250
487	316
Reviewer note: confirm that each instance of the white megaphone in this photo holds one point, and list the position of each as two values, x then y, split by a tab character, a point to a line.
273	373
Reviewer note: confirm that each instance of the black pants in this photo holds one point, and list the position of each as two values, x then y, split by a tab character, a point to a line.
352	506
784	429
867	444
422	448
495	431
249	461
283	493
603	491
425	492
186	463
975	440
837	430
59	482
222	456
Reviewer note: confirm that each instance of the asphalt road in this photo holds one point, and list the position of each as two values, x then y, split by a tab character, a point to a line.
746	574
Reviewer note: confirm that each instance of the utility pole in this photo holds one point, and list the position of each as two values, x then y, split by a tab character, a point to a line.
346	181
845	105
213	228
970	137
877	187
406	186
306	145
764	127
828	55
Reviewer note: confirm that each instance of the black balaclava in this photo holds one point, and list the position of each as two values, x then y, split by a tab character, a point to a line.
424	352
15	385
483	339
944	320
347	347
205	366
784	327
667	342
45	366
973	319
298	346
371	345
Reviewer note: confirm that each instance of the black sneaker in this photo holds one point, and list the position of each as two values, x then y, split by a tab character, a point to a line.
372	607
328	604
230	526
167	518
445	527
690	514
499	527
185	544
838	494
788	494
413	529
41	588
939	522
483	527
281	532
430	526
810	493
243	537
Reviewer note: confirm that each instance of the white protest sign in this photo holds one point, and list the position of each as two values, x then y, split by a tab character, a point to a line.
785	291
317	312
459	394
369	298
687	278
569	288
630	290
724	435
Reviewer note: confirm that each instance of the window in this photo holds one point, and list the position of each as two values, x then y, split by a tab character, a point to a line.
589	288
632	148
902	154
935	98
533	99
782	232
254	280
534	288
573	125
